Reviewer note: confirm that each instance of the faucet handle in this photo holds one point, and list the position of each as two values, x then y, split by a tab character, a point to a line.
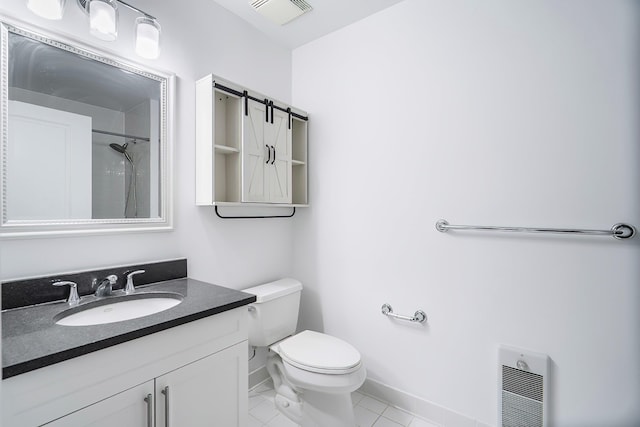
129	289
74	299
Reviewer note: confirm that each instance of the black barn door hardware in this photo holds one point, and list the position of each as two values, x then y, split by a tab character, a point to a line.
293	212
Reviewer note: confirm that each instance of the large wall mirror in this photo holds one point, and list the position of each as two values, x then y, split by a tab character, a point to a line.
85	140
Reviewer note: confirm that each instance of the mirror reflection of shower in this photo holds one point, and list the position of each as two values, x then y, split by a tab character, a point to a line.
125	166
131	192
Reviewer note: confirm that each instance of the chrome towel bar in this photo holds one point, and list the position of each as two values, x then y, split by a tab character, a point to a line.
419	316
619	231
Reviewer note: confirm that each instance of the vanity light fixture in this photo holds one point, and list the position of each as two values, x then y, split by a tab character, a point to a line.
48	9
147	37
103	21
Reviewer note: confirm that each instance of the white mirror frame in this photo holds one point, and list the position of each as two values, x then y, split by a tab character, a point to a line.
51	228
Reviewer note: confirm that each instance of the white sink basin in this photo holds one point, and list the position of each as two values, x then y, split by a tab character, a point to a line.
118	309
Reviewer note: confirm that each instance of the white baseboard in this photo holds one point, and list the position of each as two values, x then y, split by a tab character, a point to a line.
431	412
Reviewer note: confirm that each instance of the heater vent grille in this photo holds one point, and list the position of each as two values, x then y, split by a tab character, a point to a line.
518	411
523	388
523	383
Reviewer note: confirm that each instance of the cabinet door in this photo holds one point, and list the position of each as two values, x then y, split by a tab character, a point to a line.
255	153
266	155
129	408
278	171
209	392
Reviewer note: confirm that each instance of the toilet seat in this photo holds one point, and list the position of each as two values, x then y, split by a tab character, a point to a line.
319	353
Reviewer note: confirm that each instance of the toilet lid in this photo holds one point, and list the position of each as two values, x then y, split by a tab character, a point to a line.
317	352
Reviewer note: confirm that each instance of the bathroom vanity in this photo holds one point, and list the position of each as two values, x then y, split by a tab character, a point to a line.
185	366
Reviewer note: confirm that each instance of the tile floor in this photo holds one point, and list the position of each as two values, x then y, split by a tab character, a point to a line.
369	412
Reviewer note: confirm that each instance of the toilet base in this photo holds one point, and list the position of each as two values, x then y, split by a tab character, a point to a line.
322	410
311	408
318	409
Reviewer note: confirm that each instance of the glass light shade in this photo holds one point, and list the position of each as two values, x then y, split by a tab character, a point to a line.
103	19
48	9
147	37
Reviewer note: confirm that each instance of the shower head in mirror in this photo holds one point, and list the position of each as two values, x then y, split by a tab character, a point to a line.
122	149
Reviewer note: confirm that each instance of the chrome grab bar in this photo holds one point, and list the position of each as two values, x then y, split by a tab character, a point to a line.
419	316
619	231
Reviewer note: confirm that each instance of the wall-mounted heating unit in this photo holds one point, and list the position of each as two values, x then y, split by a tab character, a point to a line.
281	11
523	378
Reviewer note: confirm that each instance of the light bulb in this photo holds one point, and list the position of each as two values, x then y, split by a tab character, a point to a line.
103	19
48	9
147	37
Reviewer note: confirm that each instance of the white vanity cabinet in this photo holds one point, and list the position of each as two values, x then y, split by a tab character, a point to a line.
123	409
249	149
201	393
205	392
195	374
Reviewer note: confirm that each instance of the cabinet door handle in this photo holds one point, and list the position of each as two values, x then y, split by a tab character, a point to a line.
274	154
149	400
268	153
165	391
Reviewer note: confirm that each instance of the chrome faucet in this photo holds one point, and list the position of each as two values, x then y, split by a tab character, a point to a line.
129	289
105	286
74	299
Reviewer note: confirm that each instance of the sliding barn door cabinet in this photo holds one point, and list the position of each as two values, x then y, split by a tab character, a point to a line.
250	150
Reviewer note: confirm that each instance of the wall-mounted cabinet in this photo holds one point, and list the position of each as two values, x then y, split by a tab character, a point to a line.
249	149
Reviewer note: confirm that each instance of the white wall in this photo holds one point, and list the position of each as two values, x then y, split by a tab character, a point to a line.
198	37
493	113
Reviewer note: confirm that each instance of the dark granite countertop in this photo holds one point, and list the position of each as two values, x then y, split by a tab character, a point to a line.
31	339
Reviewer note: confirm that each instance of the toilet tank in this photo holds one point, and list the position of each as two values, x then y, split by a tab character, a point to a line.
274	315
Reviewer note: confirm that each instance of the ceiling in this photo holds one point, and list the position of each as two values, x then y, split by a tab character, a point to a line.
45	69
327	16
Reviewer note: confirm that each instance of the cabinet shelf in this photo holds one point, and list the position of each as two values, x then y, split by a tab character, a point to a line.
299	161
260	205
225	149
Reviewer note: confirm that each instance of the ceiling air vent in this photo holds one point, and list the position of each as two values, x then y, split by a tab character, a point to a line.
281	11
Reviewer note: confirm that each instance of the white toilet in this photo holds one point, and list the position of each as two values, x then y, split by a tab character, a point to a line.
313	373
